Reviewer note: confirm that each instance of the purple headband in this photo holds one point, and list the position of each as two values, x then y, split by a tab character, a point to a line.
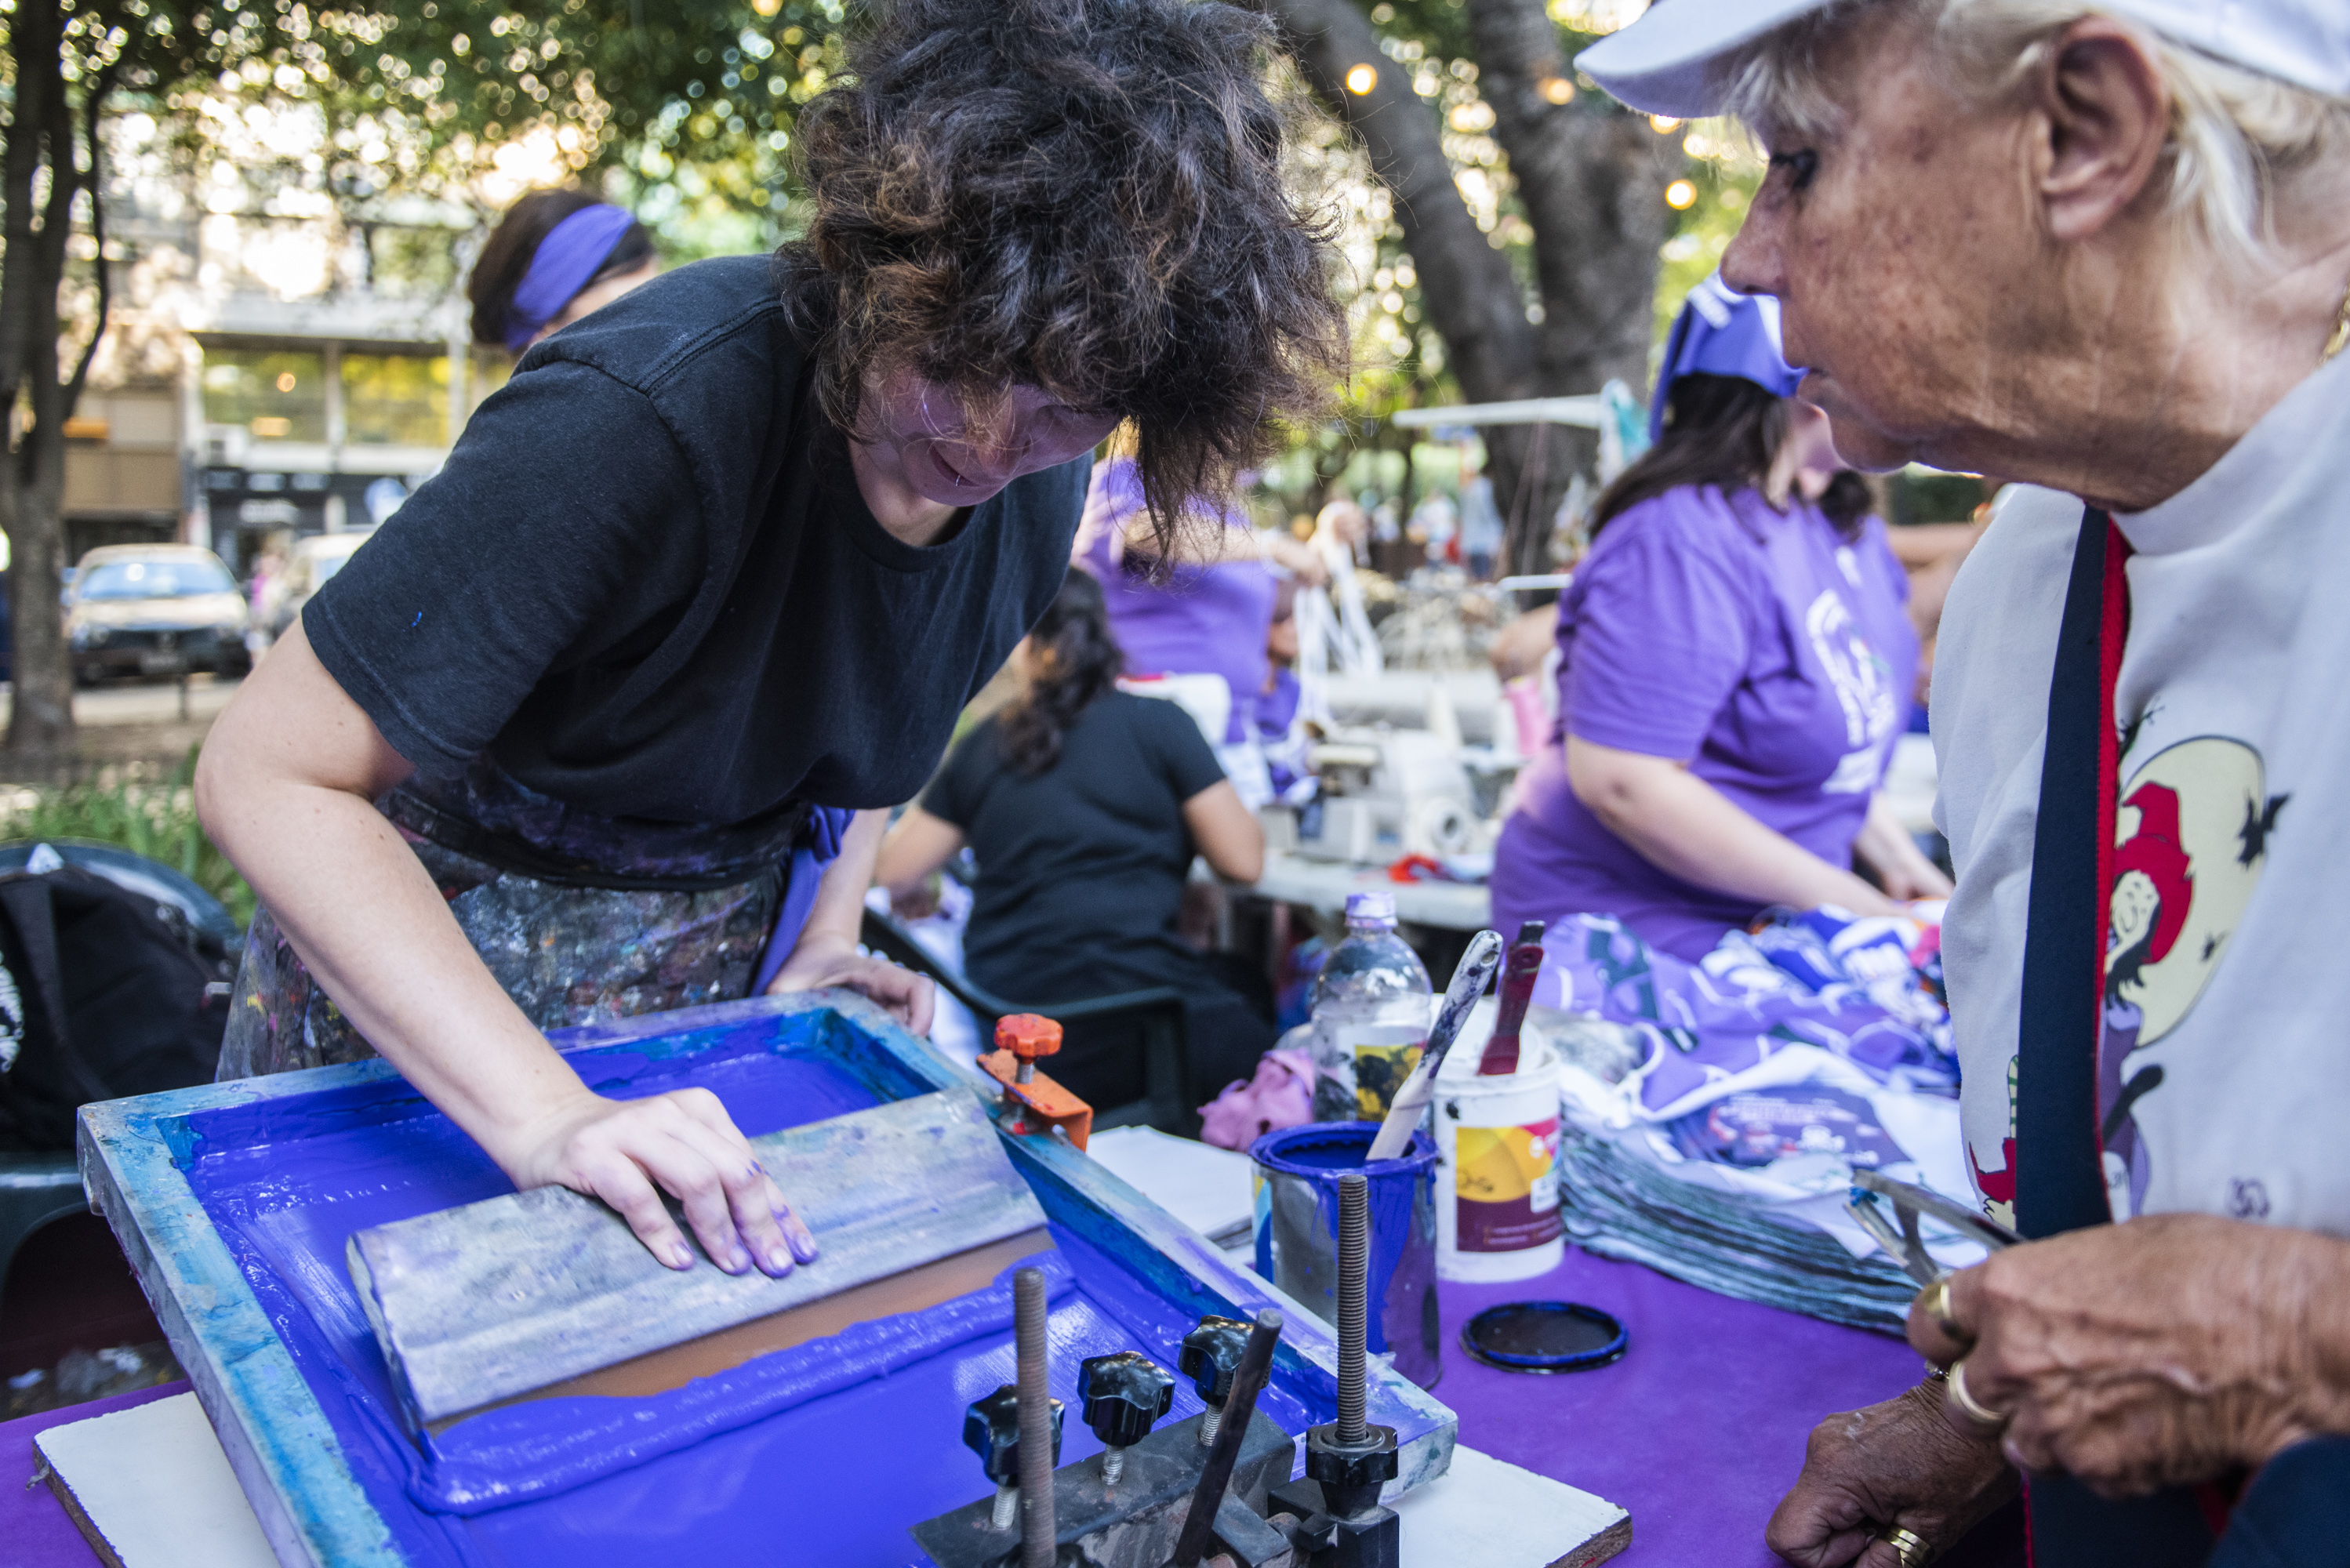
561	266
1719	333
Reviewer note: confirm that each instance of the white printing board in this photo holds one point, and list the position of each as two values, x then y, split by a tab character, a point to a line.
151	1488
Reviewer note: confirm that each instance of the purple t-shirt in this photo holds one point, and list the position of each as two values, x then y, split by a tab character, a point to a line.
1760	647
1210	621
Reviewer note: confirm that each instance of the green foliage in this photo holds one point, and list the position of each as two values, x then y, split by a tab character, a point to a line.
692	102
157	820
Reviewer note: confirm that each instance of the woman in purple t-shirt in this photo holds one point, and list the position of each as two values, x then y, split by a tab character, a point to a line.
1207	616
1735	663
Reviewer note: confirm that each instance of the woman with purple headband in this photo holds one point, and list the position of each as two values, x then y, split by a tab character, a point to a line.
609	718
554	257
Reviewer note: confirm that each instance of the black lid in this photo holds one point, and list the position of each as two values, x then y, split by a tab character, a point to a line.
1545	1336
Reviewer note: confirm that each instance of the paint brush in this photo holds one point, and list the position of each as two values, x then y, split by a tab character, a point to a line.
1469	982
1518	973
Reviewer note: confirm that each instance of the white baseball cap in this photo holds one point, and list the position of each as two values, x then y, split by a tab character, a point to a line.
1664	62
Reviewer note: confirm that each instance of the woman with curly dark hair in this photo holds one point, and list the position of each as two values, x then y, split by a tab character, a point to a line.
1084	806
604	721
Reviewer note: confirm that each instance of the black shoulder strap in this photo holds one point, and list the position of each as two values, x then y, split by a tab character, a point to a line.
2060	1182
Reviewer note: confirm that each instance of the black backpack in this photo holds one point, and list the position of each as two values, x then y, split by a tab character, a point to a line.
104	993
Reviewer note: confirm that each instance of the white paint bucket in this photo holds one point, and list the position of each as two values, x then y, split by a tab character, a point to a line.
1497	1215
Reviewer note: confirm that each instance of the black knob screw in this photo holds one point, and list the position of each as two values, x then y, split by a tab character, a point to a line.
1211	1356
1122	1396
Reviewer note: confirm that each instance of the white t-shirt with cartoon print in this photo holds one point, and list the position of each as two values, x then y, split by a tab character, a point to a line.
2224	1073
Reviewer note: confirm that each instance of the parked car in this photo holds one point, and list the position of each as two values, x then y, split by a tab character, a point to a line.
308	565
155	610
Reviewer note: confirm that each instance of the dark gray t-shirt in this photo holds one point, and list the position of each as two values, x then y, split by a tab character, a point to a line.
646	585
1081	869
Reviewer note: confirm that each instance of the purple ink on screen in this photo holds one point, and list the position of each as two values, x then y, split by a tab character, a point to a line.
867	1425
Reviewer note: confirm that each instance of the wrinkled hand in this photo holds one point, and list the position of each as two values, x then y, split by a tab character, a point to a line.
822	958
2166	1351
629	1152
1895	1463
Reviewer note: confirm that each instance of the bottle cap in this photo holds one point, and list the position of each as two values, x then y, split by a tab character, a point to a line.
1365	909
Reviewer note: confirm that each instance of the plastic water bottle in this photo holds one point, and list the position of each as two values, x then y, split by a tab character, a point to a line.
1371	1012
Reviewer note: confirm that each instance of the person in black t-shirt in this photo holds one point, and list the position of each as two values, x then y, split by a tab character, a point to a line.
1084	805
603	721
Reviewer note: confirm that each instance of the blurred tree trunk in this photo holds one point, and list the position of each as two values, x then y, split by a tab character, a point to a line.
40	174
1592	182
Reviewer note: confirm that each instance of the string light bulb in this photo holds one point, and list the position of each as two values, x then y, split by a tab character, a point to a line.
1665	124
1680	194
1556	89
1362	78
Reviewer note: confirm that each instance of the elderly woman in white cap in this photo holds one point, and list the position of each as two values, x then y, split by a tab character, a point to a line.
2101	246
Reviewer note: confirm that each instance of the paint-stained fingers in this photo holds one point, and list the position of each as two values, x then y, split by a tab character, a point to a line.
795	1230
760	1216
621	1182
683	1160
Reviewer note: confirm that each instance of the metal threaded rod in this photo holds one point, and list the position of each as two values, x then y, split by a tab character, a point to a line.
1354	1278
1038	1544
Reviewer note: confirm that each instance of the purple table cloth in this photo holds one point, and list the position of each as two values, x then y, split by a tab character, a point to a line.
1698	1430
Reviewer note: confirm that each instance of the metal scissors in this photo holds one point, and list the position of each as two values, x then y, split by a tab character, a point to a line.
1869	1191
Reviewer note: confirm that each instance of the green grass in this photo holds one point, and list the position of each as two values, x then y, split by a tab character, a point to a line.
154	819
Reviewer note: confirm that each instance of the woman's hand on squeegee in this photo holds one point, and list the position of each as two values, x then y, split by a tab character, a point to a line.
629	1152
1891	1464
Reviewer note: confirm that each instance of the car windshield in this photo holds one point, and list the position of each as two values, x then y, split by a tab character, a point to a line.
170	579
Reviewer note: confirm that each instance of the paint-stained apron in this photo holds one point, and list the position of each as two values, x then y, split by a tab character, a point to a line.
581	919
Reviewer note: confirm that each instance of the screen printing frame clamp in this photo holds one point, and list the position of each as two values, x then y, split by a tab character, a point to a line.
1033	1104
1907	1246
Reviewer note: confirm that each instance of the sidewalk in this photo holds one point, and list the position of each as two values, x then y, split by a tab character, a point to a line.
130	723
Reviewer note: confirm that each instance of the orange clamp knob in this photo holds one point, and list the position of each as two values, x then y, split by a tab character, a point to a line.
1028	1035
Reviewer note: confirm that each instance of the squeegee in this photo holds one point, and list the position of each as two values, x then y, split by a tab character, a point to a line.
548	1293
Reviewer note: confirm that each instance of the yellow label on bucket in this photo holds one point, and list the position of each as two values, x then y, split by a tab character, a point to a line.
1380	1072
1507	1183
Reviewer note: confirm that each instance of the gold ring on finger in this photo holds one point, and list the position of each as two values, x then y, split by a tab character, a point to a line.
1908	1545
1955	1389
1936	1299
